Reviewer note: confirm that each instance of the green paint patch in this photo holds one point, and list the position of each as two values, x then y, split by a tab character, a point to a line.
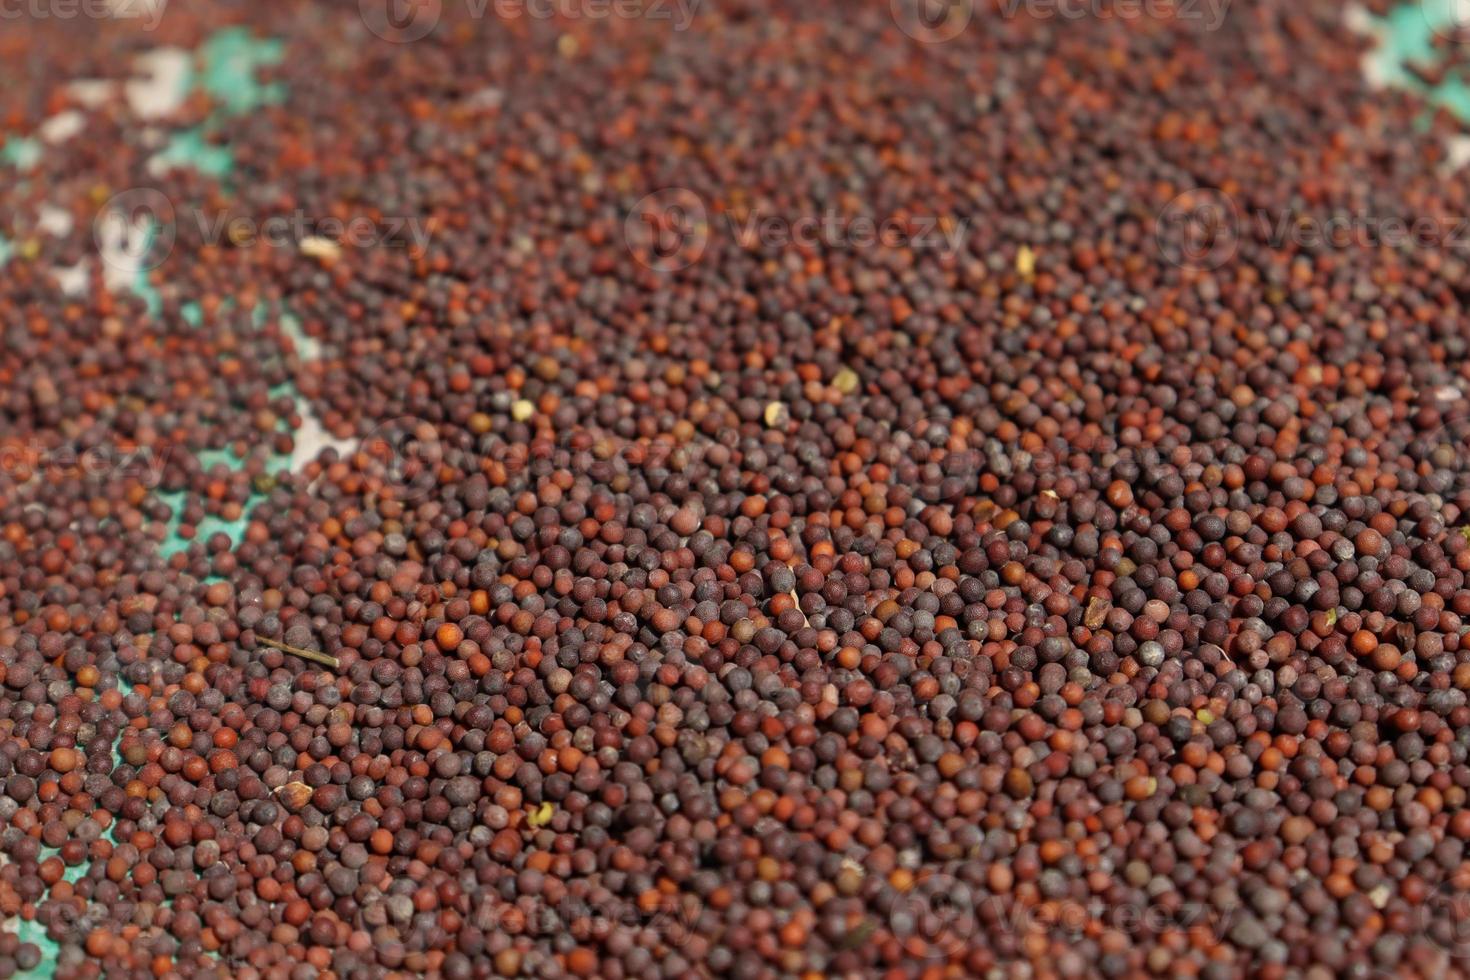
307	348
228	71
275	463
142	287
191	148
228	65
232	59
213	524
21	152
31	931
176	542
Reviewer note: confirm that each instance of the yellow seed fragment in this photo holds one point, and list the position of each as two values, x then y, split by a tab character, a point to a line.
322	249
1026	262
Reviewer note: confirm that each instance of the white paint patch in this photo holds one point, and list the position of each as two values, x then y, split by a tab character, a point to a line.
91	92
158	165
307	348
55	221
71	279
163	88
1457	153
486	99
311	438
1357	19
123	246
62	126
1459	18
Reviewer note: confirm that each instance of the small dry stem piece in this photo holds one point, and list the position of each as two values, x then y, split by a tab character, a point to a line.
312	655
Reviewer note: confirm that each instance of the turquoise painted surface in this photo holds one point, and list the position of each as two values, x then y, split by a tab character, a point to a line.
228	65
21	152
228	71
232	60
1408	35
191	148
142	286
